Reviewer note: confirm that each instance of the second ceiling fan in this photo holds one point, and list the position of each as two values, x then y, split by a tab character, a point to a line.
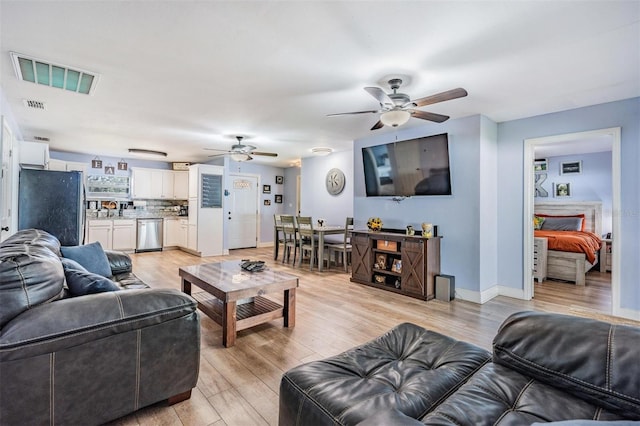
396	108
241	152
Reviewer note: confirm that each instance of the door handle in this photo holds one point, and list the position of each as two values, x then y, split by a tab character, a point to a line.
4	228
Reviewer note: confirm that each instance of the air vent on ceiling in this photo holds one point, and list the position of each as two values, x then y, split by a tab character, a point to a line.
41	139
54	75
29	103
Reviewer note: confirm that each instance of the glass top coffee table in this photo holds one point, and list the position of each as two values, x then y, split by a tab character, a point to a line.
232	297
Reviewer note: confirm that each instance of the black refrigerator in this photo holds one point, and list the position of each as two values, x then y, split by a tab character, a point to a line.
54	202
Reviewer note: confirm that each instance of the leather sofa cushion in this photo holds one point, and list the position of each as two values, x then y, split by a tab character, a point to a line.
593	360
30	272
499	396
408	368
91	256
72	322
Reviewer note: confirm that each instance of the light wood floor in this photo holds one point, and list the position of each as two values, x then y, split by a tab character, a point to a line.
239	385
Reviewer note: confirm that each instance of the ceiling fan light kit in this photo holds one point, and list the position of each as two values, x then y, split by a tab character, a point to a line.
395	118
239	156
396	108
241	152
321	151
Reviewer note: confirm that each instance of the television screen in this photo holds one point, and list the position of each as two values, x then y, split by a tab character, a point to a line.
406	168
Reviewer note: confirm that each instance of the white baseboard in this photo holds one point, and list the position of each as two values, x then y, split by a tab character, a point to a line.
626	313
265	244
488	294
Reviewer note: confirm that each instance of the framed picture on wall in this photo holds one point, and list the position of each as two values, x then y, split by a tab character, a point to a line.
278	199
267	202
570	167
540	165
562	190
266	189
279	180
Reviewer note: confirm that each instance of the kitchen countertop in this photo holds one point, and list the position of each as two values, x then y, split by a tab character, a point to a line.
93	215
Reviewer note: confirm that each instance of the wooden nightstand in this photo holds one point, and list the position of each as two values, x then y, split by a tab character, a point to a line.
605	255
540	259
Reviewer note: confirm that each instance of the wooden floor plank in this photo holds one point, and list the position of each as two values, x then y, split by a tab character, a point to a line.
239	385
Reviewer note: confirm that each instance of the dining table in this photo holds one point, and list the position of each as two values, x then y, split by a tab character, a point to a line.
320	231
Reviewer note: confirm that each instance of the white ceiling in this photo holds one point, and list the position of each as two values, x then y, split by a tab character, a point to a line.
181	76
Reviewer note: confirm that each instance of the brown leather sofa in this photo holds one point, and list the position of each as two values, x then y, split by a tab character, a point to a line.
93	358
544	368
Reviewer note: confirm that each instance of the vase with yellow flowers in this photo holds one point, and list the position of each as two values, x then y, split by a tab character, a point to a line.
374	224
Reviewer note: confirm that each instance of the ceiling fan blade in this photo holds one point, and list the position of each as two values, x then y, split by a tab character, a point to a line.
355	112
441	97
266	154
378	125
215	149
380	95
217	155
438	118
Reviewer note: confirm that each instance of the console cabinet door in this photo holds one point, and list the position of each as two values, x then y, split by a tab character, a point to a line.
360	258
413	266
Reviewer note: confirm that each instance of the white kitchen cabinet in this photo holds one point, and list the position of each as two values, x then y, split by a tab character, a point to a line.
181	185
159	184
184	233
118	234
124	234
140	183
67	166
172	233
34	154
192	237
100	230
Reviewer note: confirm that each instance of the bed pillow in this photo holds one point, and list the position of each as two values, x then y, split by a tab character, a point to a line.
562	224
81	283
580	215
90	256
537	222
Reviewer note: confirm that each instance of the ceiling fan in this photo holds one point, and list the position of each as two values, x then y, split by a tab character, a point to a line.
396	108
241	152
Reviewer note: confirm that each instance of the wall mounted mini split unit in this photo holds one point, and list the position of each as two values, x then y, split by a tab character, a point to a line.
38	71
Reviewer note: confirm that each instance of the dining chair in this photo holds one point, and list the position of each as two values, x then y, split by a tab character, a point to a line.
308	242
278	236
344	248
290	237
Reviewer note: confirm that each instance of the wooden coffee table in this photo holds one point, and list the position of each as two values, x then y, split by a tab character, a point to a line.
233	298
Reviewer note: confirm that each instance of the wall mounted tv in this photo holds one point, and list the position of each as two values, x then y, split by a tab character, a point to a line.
407	168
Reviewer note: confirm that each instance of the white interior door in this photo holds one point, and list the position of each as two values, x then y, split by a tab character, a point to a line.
5	182
242	212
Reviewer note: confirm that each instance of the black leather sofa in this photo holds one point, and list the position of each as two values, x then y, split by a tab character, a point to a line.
87	359
544	368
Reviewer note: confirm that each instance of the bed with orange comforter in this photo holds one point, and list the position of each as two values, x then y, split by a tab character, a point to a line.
572	241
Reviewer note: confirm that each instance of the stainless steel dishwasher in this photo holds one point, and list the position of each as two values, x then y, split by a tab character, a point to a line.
149	235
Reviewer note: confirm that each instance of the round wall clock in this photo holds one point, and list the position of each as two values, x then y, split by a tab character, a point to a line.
335	181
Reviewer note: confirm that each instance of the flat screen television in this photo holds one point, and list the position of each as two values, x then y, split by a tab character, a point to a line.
407	168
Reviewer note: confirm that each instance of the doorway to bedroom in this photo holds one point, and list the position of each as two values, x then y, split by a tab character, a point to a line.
566	175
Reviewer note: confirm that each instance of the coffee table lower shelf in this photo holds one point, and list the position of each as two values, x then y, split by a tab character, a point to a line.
254	311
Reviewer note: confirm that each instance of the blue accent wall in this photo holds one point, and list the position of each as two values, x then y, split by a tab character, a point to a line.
511	135
594	183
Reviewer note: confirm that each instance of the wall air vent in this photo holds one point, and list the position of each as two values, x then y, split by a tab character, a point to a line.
34	104
54	75
41	139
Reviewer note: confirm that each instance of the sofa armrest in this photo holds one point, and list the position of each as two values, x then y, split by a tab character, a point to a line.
119	262
70	322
